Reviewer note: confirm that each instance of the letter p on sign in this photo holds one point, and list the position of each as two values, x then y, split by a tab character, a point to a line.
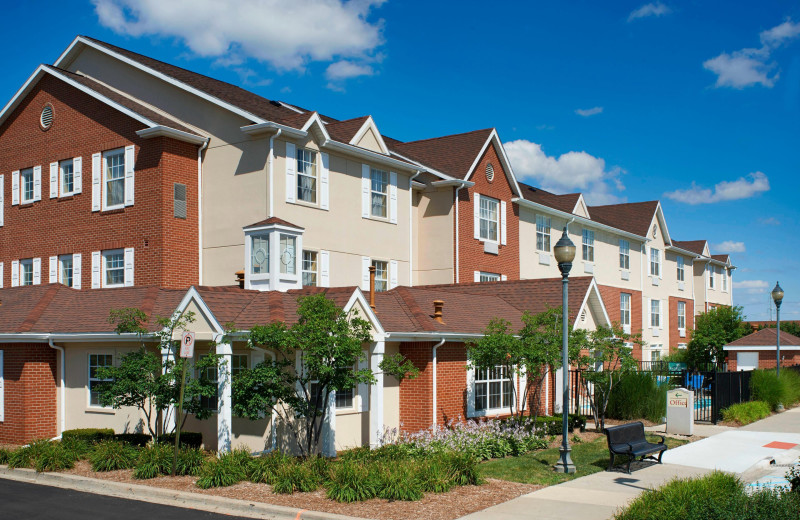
187	345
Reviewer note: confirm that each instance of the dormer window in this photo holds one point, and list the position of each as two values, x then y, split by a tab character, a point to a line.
271	249
259	254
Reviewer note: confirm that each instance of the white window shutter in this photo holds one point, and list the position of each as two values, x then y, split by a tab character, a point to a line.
324	195
2	390
97	188
77	174
96	259
37	183
76	271
503	219
1	275
363	388
503	278
393	197
291	178
129	175
365	189
15	188
37	271
15	273
53	269
392	274
477	276
53	180
128	267
324	269
2	198
365	263
476	207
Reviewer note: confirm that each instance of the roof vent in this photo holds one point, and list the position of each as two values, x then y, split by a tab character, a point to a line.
489	172
438	308
46	119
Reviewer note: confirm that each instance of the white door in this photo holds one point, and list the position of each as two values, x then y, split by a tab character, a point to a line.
746	361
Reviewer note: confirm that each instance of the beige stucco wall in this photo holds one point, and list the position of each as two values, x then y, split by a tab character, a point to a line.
369	141
433	231
716	295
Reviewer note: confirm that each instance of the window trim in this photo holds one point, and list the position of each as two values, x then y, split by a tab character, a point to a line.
25	262
89	378
660	324
60	277
372	192
655	263
315	176
61	191
104	178
490	277
625	310
22	174
103	267
489	221
710	271
303	270
681	269
372	262
545	235
587	244
473	393
681	315
624	254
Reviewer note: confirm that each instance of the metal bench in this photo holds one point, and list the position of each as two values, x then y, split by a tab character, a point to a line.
628	439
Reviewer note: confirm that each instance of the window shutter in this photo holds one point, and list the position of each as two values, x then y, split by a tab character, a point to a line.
1	275
53	180
15	188
324	269
179	200
37	271
503	219
365	263
392	274
2	198
476	207
393	197
649	312
96	184
363	388
53	269
503	278
323	181
2	390
15	273
291	165
37	183
76	271
365	185
77	175
128	267
477	276
96	259
129	163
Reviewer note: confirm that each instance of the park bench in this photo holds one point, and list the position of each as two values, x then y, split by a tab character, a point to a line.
628	439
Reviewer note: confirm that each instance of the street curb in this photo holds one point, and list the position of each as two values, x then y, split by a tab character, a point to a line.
168	497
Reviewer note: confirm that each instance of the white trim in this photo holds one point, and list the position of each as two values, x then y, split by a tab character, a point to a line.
760	347
391	198
76	270
103	263
363	388
369	124
315	120
372	157
503	159
2	203
102	352
192	295
358	296
324	180
167	131
291	172
130	163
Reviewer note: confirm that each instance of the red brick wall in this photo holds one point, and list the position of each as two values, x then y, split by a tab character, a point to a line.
674	335
471	255
29	372
766	359
611	300
165	248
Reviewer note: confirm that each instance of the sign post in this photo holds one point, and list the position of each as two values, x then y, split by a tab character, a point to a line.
187	352
680	411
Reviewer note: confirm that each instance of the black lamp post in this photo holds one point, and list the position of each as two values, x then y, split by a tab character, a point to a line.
564	252
777	297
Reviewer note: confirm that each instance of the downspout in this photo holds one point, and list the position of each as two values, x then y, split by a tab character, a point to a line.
435	348
456	226
200	210
271	211
411	229
62	420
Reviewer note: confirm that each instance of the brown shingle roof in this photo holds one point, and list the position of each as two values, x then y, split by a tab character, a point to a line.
721	258
344	131
695	246
565	203
765	338
451	154
273	220
633	217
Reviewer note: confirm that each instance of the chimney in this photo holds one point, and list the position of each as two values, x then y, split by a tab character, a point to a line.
438	308
372	287
240	278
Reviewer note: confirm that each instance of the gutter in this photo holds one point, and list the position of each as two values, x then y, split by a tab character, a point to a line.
86	337
431	336
166	131
375	157
62	420
270	158
200	208
435	348
269	126
411	228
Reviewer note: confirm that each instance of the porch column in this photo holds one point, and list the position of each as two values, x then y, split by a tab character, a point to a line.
376	423
329	428
224	426
169	415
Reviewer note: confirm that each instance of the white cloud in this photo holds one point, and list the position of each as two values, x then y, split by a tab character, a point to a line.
586	112
286	35
751	286
750	66
729	246
742	188
769	221
647	10
344	69
569	172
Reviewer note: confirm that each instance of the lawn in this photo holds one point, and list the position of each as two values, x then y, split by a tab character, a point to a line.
537	467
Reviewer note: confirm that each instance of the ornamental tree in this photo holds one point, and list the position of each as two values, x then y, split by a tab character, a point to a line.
713	330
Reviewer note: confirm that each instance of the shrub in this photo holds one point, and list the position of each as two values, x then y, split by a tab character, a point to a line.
295	477
26	456
263	469
88	435
464	469
188	439
225	470
140	440
765	386
190	461
80	448
113	455
746	413
351	481
435	474
550	425
4	455
153	461
793	476
399	481
54	456
638	396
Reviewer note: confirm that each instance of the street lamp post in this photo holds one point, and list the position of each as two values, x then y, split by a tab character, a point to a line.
564	252
777	297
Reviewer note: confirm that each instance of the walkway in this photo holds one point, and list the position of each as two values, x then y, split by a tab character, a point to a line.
746	451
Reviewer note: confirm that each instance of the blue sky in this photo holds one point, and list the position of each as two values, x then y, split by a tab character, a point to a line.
693	103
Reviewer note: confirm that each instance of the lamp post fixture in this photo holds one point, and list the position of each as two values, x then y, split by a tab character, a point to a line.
564	251
777	297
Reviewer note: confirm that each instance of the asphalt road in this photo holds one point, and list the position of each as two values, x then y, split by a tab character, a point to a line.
23	501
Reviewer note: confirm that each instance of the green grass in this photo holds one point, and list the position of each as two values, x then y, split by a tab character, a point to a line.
537	467
746	413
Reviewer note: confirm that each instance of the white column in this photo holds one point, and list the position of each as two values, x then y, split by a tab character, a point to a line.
224	416
329	428
559	404
376	423
169	414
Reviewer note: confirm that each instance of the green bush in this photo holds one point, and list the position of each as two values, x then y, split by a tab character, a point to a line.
140	440
351	481
550	424
226	470
399	481
88	435
295	477
637	396
113	455
4	455
55	457
26	456
77	446
765	386
464	469
190	461
188	439
263	469
746	413
435	474
153	461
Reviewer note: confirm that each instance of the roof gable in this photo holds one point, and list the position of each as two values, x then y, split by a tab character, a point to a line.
633	217
767	337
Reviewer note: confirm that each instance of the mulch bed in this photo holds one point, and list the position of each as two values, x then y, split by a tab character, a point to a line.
434	506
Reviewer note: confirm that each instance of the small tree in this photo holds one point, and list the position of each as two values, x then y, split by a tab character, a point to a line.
713	330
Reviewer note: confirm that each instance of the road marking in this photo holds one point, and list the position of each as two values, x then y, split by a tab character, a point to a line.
300	513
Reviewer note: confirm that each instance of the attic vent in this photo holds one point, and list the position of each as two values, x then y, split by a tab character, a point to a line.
583	316
179	201
46	118
490	172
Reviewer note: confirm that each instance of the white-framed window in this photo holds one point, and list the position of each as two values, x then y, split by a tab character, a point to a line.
97	361
681	269
65	270
66	175
259	254
655	353
655	313
113	268
310	268
625	309
26	271
489	218
26	190
724	272
624	254
212	402
307	175
588	245
379	193
381	275
114	179
489	277
655	262
345	398
492	389
710	273
542	233
288	252
681	315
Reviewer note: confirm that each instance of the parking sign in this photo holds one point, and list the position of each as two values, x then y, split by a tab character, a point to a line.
187	345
